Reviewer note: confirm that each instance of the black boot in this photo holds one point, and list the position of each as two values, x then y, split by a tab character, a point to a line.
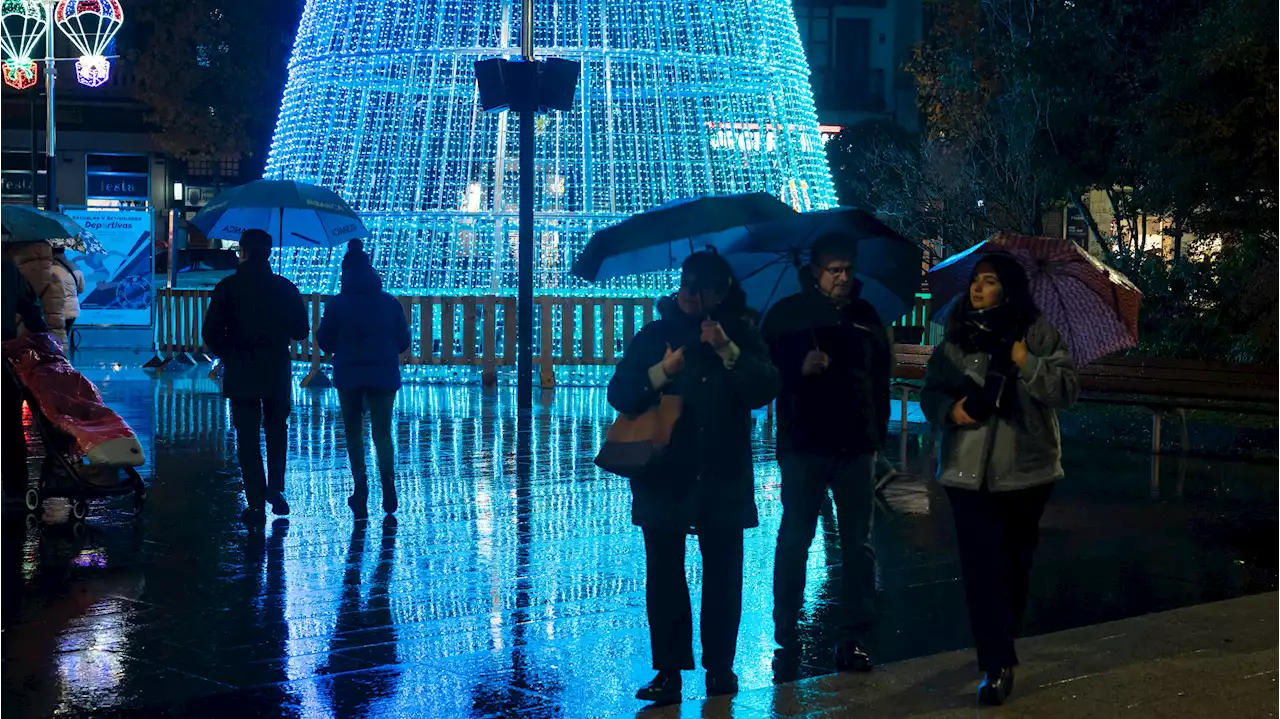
721	682
359	499
279	506
664	689
851	657
996	688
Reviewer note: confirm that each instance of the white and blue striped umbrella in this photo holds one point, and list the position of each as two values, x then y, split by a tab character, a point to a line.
295	214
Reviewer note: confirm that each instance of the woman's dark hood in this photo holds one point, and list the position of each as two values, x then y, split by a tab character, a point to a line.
669	309
360	278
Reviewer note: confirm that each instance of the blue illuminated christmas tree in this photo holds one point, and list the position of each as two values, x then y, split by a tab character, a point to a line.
677	98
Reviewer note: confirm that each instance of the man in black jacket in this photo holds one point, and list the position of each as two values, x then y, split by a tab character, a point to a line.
833	353
252	319
19	301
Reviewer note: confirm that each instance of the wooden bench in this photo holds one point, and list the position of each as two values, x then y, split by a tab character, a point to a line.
1160	385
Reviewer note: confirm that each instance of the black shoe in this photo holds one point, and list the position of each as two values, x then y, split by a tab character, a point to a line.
254	516
359	503
787	635
996	688
279	507
389	501
721	683
851	657
664	689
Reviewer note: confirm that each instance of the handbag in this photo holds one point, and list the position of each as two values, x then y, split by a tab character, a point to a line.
634	445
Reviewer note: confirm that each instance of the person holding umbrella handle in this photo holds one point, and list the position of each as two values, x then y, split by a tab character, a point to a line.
992	390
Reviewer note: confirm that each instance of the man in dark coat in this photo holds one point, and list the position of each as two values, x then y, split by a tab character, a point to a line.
19	301
705	348
834	355
253	317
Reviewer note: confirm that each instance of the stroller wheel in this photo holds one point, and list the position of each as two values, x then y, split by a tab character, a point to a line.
79	530
32	521
139	501
79	509
32	500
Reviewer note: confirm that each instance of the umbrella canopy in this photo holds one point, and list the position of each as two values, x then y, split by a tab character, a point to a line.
295	214
21	223
660	239
1093	307
770	258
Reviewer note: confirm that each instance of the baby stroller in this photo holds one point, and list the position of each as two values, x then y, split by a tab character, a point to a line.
90	451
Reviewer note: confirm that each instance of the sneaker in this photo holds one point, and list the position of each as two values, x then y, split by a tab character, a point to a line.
279	507
254	516
664	689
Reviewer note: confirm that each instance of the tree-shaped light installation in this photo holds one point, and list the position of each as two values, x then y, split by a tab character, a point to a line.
677	98
23	29
90	25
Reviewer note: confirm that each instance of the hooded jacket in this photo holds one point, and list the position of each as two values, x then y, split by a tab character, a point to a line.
35	260
365	329
844	410
1020	449
707	480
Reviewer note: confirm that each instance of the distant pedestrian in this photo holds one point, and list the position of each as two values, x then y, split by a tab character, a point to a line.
35	260
20	311
71	278
992	389
366	331
253	318
834	355
705	349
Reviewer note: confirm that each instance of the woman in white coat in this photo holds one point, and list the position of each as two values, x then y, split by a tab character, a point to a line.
71	278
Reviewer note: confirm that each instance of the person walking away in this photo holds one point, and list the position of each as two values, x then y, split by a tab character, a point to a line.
992	390
35	260
834	356
366	331
252	319
706	349
71	279
19	303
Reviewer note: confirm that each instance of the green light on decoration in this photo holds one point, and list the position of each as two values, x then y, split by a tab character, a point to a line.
677	98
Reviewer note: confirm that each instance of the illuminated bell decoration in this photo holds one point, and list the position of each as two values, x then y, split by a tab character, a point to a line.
90	25
92	70
677	98
20	74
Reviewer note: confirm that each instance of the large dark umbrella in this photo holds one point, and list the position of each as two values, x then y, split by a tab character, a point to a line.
770	258
295	214
1093	307
659	240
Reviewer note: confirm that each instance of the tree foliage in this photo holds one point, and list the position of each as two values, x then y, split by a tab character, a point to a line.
212	71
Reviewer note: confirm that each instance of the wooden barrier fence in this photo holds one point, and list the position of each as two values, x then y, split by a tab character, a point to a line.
461	331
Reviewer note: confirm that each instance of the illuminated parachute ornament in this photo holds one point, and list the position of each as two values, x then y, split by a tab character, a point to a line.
90	25
24	23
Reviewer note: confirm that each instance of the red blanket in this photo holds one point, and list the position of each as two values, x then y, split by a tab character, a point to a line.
71	402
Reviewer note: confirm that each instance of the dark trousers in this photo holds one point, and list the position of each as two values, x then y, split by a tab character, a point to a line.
379	403
805	480
668	605
15	440
271	417
997	533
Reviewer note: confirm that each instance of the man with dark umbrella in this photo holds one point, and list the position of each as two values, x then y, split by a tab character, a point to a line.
253	317
833	353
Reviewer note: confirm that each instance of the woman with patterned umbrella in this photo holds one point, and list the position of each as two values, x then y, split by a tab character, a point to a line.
1093	307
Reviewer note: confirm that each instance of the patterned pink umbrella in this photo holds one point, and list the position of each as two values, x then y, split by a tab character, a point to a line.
1094	307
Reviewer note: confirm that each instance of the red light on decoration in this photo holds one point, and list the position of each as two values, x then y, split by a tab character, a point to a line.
20	74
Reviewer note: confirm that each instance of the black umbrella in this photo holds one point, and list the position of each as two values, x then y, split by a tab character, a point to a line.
660	239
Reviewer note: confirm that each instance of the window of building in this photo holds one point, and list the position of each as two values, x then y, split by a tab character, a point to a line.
17	180
117	180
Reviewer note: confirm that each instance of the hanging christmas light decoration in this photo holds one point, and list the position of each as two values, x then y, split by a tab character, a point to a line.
24	25
90	25
677	98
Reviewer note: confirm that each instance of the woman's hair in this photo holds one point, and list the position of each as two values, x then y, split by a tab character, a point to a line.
1016	292
714	273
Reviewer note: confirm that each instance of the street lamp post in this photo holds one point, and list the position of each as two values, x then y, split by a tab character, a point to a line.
50	139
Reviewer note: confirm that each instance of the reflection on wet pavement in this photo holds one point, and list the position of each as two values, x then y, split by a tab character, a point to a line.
511	581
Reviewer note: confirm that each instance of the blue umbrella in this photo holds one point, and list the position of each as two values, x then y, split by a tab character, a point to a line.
769	259
659	240
295	214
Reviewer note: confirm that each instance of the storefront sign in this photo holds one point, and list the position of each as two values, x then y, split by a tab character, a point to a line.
17	184
118	285
115	185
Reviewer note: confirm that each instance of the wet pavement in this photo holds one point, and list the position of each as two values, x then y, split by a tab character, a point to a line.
511	582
